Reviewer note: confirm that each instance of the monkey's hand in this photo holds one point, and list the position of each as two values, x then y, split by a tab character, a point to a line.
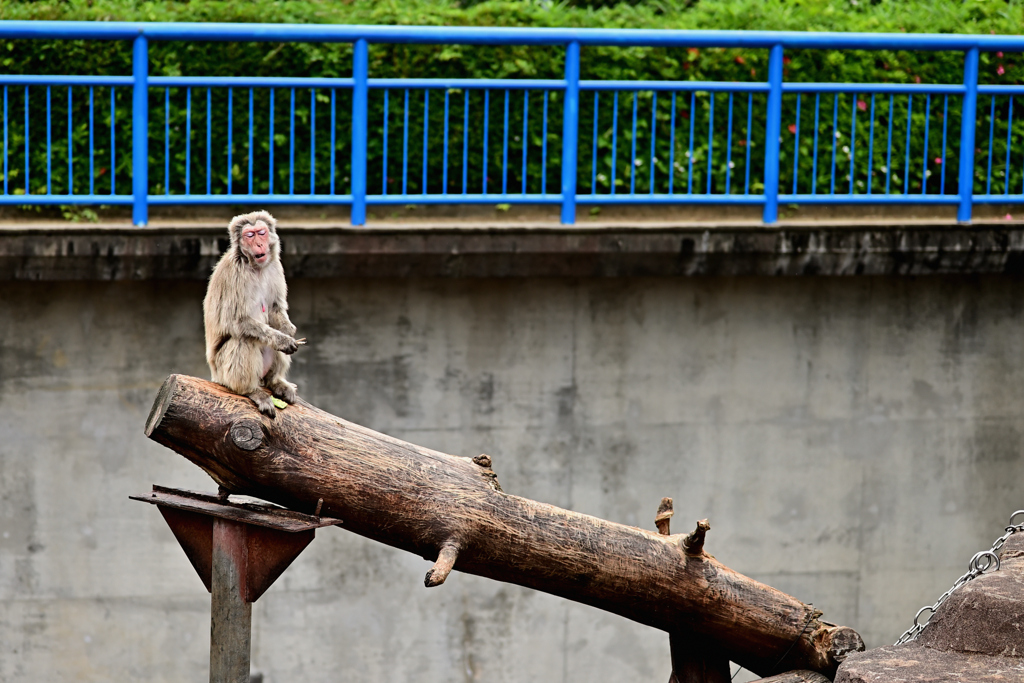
285	344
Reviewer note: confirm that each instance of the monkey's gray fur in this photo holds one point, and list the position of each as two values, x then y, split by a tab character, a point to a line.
248	334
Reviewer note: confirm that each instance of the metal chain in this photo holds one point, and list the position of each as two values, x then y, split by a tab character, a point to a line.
982	563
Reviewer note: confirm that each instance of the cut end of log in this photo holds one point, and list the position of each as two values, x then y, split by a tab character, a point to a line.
839	642
163	401
665	513
443	567
247	434
693	542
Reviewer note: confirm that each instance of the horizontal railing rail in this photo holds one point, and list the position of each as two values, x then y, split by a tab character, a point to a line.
565	141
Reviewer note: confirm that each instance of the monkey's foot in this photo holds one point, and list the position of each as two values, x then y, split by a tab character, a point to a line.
263	402
286	391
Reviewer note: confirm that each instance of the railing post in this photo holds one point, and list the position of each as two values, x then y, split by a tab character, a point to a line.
360	67
773	129
140	131
968	120
570	127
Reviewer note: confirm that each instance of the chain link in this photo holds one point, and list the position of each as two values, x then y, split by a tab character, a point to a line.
982	563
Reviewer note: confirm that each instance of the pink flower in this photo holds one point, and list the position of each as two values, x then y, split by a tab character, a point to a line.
786	60
792	128
739	60
862	105
1000	70
917	79
999	55
1009	217
938	160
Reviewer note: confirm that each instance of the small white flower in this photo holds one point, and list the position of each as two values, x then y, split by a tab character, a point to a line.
838	135
602	177
687	154
732	164
927	174
638	162
885	170
846	149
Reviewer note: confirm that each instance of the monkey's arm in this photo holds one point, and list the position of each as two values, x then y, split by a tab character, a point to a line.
247	326
279	319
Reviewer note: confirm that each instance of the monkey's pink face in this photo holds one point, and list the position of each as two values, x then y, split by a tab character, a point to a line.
256	241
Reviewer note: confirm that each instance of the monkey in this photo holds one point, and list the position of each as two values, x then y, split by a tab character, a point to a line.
249	337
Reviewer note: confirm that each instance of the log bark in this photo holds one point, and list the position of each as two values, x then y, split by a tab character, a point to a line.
450	510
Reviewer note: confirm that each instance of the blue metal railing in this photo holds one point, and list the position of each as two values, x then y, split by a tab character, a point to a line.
450	126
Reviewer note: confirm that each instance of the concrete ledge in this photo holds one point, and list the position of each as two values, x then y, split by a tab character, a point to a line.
119	252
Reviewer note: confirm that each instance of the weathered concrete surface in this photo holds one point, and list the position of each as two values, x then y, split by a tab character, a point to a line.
852	440
116	252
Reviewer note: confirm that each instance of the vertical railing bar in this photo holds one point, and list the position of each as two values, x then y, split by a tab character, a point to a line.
312	141
888	148
796	145
188	140
853	141
209	138
906	160
968	121
672	145
871	143
593	149
444	161
167	141
140	131
291	142
526	118
384	163
689	156
988	174
814	155
1009	129
405	146
49	154
945	120
334	138
360	124
113	140
728	148
654	136
711	139
750	126
27	136
270	141
835	138
465	142
615	136
487	118
544	149
426	133
570	131
71	167
5	136
632	152
772	133
927	120
92	153
231	133
504	149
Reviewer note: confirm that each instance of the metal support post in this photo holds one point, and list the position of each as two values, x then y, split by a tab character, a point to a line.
570	127
968	121
230	613
360	68
773	128
140	131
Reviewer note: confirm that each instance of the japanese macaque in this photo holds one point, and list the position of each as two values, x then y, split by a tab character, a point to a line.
249	337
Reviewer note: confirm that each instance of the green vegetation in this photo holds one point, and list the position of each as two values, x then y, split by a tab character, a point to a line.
313	110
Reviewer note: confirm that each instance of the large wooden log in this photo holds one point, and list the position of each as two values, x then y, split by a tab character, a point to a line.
451	510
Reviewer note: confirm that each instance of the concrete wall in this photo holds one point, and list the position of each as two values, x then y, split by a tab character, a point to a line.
852	440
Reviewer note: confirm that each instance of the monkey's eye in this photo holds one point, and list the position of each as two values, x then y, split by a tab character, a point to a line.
261	233
249	234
